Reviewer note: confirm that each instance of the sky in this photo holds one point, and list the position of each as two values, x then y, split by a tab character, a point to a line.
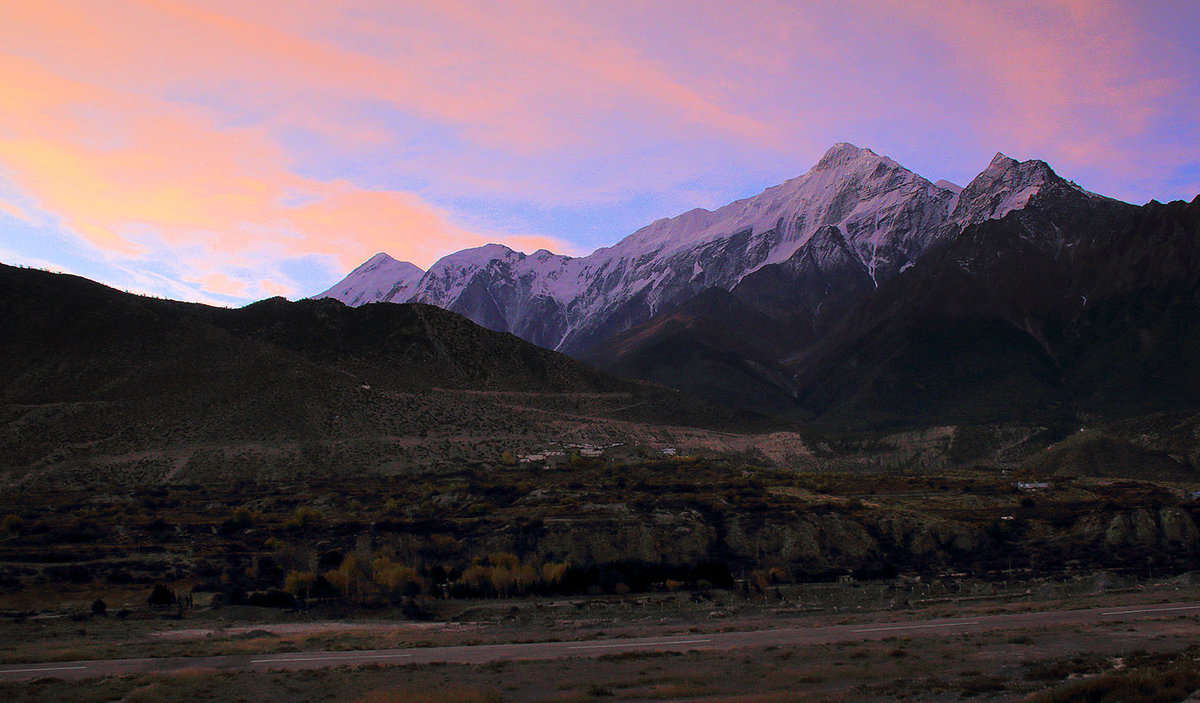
225	151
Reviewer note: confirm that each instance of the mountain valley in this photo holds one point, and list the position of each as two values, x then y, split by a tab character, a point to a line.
858	393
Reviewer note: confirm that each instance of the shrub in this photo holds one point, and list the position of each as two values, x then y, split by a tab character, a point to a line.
1132	687
243	518
503	560
439	696
444	544
302	517
272	599
11	523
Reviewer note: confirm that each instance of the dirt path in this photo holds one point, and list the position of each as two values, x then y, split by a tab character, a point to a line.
1146	618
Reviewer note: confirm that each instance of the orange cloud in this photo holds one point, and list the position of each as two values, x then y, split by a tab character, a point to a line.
222	284
177	179
276	288
15	211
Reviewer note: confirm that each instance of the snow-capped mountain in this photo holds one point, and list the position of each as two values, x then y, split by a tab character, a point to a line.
884	217
1007	185
861	294
380	279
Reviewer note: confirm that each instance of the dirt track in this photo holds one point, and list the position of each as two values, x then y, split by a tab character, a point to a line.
795	635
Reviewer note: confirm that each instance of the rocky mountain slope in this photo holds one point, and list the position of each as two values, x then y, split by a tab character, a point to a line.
1066	308
807	295
715	346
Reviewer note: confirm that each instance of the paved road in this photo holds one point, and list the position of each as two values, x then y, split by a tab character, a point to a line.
480	654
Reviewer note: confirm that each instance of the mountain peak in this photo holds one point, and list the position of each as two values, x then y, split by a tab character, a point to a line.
379	258
378	279
475	256
948	185
1000	161
842	153
1031	170
385	264
1005	185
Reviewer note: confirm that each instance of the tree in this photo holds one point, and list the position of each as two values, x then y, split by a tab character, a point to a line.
299	583
397	579
161	595
552	573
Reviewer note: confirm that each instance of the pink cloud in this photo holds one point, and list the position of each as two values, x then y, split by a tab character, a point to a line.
104	126
159	128
1072	78
511	76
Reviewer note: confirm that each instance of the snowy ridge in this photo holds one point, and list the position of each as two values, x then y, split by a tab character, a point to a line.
887	215
1005	185
853	188
543	271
